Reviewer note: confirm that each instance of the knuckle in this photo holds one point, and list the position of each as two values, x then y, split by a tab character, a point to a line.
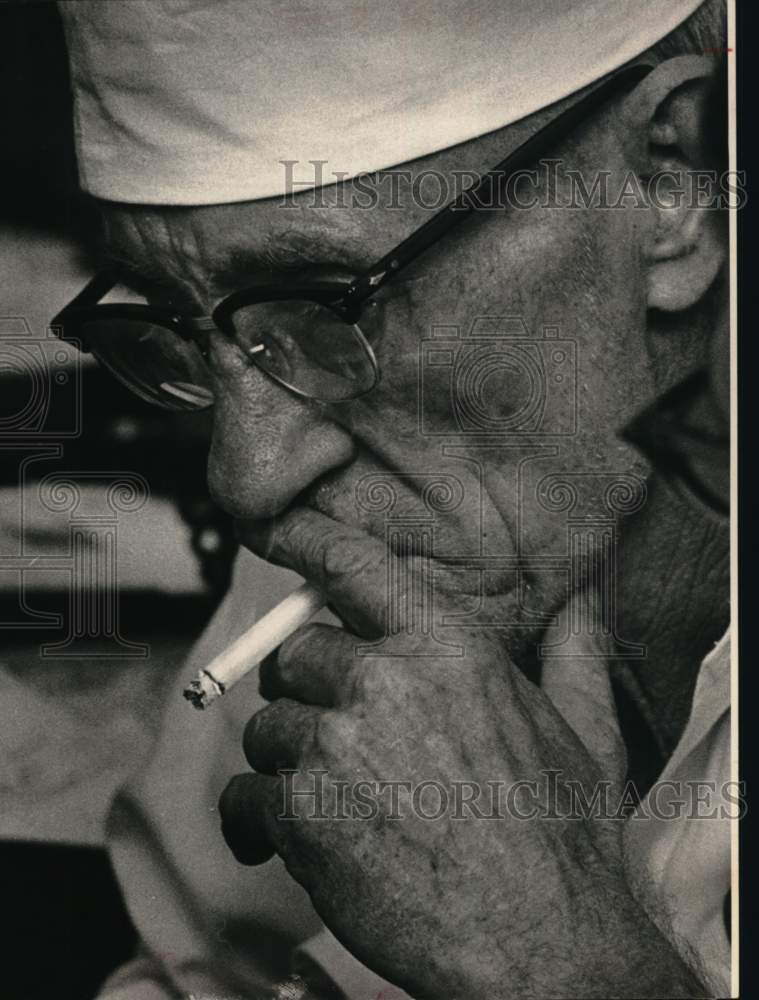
292	647
335	557
295	540
343	559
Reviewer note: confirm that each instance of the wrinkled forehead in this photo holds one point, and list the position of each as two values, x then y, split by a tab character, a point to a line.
341	223
223	245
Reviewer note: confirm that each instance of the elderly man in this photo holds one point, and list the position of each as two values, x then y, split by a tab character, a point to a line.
416	408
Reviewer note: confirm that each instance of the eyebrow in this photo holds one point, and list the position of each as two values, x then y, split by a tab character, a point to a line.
284	253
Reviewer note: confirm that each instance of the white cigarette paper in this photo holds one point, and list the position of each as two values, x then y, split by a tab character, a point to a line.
245	653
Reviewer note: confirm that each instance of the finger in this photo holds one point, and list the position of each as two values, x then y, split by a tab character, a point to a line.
267	684
346	564
316	665
245	806
578	684
277	736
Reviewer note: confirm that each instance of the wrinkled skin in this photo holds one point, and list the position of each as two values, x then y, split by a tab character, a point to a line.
445	905
473	909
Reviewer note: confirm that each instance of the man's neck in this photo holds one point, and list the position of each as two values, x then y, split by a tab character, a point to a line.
673	597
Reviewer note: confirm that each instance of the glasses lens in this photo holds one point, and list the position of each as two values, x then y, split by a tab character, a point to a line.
307	347
153	361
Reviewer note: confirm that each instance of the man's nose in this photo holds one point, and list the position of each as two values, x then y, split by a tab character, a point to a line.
268	445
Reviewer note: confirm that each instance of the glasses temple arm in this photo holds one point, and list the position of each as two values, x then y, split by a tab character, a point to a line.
463	206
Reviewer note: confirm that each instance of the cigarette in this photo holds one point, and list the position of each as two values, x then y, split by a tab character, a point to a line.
245	653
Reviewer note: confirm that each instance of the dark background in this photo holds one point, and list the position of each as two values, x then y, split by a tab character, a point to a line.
64	924
39	168
748	487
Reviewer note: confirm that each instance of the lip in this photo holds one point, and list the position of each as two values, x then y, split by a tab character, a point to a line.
258	532
496	606
461	546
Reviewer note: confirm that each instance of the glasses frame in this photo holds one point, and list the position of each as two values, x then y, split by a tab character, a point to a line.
346	299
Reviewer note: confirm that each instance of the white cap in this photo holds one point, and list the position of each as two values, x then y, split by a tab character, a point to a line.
191	102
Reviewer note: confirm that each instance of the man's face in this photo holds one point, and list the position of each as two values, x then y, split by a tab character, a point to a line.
476	406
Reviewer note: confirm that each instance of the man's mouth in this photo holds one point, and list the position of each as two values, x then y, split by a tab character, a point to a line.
474	599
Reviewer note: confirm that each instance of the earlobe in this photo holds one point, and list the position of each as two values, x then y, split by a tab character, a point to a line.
682	267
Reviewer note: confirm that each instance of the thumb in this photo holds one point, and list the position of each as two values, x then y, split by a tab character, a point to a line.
575	676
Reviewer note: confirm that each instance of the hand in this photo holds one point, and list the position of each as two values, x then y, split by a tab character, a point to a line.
460	905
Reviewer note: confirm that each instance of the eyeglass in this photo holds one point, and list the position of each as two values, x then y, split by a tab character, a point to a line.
314	338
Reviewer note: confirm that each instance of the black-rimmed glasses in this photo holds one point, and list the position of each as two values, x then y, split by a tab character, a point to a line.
315	339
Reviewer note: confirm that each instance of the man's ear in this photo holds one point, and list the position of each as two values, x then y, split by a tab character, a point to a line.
668	143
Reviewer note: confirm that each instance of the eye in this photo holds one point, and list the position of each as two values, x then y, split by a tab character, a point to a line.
262	334
272	347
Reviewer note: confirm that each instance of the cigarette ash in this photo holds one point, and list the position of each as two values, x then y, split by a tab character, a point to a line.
203	690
